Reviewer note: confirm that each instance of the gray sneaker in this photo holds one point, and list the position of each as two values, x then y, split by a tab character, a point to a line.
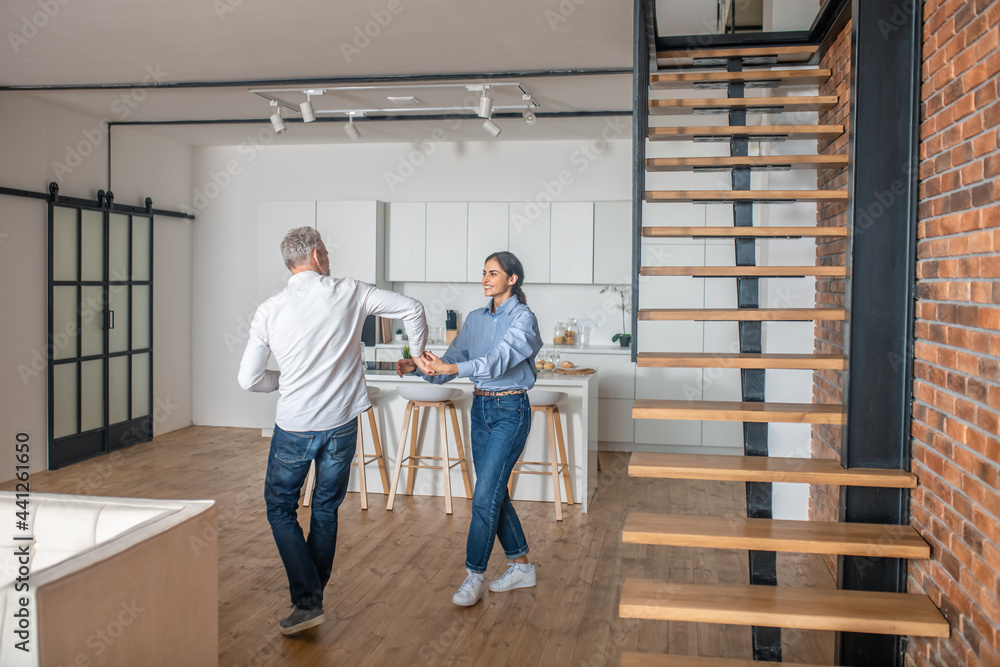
301	619
470	592
517	575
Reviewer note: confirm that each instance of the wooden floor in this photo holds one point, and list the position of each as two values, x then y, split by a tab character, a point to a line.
389	600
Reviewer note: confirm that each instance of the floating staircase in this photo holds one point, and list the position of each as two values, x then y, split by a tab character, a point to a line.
762	604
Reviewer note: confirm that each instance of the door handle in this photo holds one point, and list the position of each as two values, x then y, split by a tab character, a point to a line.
111	319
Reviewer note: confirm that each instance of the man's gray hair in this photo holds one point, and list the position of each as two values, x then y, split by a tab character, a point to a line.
298	244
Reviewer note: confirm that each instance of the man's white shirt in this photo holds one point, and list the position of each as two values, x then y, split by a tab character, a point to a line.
313	329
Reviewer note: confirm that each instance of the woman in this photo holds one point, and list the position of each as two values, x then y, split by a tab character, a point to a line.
496	349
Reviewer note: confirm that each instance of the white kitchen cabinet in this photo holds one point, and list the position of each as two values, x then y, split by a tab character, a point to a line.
571	255
354	233
615	423
487	234
447	241
612	242
406	229
530	237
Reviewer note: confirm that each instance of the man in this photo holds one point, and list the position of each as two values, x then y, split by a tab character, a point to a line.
313	329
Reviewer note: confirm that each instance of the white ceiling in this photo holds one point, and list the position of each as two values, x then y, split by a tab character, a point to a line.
125	41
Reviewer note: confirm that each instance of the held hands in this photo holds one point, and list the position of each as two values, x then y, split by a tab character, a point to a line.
435	365
428	363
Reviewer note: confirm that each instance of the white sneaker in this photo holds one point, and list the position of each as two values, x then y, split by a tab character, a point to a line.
518	575
470	591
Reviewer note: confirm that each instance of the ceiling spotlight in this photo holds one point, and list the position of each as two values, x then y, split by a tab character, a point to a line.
491	127
485	105
352	130
279	125
529	116
308	115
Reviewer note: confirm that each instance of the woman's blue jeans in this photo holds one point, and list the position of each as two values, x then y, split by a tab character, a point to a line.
308	563
500	427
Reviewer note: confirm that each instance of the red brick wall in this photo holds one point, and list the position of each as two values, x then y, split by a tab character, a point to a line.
824	501
956	412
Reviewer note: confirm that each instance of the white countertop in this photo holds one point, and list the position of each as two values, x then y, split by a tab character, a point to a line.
545	378
561	349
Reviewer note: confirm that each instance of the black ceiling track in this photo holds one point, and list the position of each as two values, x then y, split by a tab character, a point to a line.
327	81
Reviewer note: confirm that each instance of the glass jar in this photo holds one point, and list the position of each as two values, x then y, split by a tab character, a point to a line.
558	334
571	337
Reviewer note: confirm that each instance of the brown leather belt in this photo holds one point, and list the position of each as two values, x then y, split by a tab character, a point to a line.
507	392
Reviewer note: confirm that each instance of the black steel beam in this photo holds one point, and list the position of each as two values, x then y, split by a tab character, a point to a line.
55	197
640	130
884	150
325	81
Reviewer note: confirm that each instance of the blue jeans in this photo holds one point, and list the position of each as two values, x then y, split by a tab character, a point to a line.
500	427
308	563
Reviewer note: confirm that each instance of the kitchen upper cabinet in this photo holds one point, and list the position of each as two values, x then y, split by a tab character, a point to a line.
529	230
488	224
274	220
354	233
447	242
406	228
572	250
612	242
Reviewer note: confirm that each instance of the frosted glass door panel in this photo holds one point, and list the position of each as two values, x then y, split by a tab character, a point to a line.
140	317
118	389
91	395
91	320
118	323
118	247
140	385
92	246
142	239
64	400
63	322
64	244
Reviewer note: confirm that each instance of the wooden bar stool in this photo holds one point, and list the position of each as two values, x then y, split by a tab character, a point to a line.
545	401
361	458
427	397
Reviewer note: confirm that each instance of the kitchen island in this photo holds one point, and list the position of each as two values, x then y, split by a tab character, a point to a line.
579	421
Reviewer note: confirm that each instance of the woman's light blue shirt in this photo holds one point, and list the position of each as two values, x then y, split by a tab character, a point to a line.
495	350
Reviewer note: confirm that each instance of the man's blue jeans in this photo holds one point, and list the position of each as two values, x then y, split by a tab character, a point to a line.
308	563
500	427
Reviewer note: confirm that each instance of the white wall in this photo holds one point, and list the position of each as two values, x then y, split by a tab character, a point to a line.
230	181
42	144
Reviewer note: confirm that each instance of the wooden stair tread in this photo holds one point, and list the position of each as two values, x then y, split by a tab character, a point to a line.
667	80
764	469
725	132
772	104
814	537
667	660
746	195
740	360
742	411
744	232
742	314
760	161
744	271
776	606
782	53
